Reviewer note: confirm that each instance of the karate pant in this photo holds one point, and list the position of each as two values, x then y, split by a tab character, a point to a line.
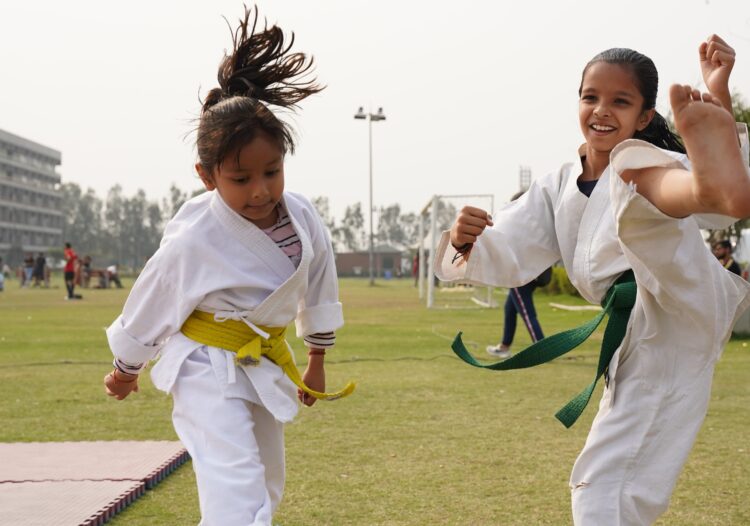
237	447
637	445
660	378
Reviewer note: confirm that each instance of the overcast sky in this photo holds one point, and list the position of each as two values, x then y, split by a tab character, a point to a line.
471	89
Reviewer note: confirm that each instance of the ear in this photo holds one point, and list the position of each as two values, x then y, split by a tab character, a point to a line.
206	177
645	119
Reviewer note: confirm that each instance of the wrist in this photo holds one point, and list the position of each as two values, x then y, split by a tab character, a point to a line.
315	357
724	95
461	248
123	378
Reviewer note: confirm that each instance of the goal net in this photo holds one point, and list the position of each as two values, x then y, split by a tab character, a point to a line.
438	215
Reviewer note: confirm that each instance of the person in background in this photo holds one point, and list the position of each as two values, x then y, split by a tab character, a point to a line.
723	252
86	271
113	276
28	270
520	300
39	265
71	259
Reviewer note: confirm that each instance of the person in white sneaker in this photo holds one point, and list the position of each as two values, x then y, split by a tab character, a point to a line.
520	301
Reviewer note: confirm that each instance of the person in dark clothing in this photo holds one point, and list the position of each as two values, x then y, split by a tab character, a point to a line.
723	252
520	302
39	265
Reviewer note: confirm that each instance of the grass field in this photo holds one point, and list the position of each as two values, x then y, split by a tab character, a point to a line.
425	440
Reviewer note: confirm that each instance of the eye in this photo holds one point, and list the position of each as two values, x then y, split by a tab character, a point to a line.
240	180
272	173
622	102
588	98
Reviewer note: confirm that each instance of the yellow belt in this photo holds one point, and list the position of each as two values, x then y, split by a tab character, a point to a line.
238	337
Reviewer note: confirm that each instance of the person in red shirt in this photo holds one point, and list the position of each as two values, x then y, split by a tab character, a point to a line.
70	272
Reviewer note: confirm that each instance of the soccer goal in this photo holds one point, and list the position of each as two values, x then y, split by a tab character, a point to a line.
438	215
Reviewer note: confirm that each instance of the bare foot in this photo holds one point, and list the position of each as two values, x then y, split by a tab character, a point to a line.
720	180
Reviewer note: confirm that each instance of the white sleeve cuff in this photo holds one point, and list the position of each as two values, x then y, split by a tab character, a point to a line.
320	318
448	265
127	348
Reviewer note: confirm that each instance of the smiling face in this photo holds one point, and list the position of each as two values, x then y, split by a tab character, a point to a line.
610	109
250	181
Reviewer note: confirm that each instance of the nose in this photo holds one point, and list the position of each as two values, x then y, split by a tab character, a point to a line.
258	191
601	110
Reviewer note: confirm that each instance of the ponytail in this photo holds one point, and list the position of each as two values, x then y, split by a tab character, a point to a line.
659	134
260	71
260	67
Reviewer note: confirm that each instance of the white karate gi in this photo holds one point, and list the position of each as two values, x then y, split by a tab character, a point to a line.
229	418
686	306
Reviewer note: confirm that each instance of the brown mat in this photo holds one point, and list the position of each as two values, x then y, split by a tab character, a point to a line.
79	483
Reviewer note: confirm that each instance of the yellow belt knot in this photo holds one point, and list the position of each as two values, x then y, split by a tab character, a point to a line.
250	342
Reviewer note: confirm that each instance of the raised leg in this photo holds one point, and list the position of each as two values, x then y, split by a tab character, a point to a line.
719	181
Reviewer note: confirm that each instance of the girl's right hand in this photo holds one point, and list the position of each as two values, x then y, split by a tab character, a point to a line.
717	60
119	384
469	225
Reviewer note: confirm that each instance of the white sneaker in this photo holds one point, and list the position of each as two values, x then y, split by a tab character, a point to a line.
497	350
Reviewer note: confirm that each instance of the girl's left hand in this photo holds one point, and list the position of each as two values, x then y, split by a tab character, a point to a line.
717	60
314	378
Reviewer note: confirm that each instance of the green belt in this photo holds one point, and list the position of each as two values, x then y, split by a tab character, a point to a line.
617	303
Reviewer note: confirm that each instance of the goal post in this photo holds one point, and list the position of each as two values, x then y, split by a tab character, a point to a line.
437	215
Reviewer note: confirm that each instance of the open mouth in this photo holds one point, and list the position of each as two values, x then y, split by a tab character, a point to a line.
602	128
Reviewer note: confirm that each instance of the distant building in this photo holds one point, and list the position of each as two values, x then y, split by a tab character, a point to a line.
31	217
387	262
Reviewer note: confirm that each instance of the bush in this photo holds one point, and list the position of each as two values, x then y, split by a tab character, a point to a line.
560	283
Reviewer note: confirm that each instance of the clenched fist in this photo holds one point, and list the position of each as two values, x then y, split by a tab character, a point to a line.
120	385
469	225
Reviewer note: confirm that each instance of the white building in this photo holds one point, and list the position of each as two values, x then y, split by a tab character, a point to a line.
31	217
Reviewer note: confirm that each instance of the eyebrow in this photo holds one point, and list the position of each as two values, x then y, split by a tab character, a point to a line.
238	168
617	94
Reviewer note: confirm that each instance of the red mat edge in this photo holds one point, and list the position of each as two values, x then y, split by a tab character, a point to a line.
127	498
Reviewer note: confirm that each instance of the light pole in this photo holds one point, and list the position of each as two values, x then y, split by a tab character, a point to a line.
379	116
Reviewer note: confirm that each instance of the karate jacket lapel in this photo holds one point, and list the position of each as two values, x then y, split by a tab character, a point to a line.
253	238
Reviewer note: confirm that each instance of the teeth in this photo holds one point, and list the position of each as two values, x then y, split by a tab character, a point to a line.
599	127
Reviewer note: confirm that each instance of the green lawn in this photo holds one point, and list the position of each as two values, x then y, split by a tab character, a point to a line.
424	440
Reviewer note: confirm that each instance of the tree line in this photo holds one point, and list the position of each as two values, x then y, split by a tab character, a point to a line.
127	229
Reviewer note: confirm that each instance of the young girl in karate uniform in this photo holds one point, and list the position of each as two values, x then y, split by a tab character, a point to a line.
630	200
236	265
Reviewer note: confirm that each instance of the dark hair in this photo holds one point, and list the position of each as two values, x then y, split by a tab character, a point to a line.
646	78
258	72
724	243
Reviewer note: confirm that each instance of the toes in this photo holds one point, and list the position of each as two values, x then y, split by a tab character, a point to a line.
679	96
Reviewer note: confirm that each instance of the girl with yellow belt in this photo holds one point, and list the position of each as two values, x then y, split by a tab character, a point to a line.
236	265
